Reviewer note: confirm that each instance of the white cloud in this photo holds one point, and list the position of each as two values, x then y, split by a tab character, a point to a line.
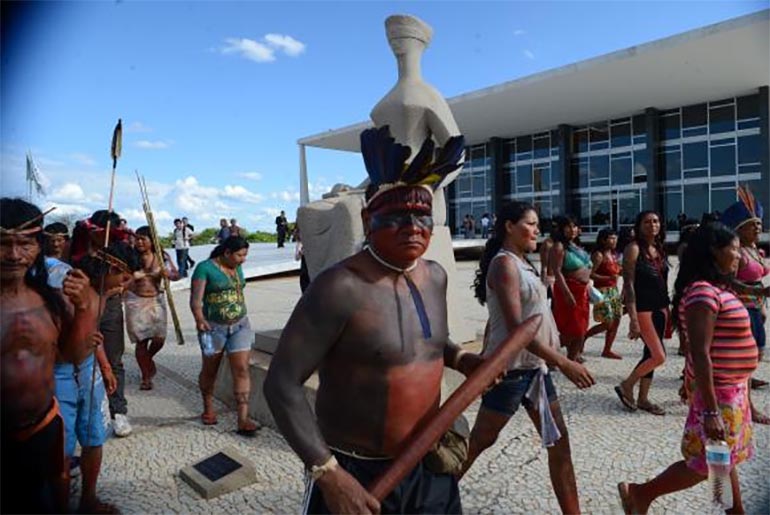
137	127
249	49
241	193
528	54
252	176
137	218
288	44
83	159
519	32
287	195
69	192
66	210
152	145
263	51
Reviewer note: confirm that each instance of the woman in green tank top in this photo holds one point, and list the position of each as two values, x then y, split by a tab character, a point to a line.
219	307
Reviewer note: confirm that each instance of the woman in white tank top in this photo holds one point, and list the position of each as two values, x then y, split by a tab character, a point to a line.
513	291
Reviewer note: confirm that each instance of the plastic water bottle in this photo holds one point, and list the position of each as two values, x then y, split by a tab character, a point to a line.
206	340
718	460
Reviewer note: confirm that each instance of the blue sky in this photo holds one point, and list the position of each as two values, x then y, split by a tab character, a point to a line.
214	96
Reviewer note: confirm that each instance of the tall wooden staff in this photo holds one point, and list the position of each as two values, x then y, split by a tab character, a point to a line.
115	149
159	254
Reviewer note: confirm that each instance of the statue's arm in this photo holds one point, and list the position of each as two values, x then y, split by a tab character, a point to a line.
441	122
312	330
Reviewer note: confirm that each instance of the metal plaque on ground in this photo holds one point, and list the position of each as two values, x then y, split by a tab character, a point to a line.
220	473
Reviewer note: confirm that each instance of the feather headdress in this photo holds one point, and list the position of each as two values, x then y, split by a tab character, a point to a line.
386	165
745	210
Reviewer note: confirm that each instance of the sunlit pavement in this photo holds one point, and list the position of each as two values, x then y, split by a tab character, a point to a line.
140	472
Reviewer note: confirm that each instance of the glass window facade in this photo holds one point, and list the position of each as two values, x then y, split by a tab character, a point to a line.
701	153
473	193
531	173
717	149
610	172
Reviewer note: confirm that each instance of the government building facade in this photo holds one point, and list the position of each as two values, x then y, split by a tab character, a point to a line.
673	125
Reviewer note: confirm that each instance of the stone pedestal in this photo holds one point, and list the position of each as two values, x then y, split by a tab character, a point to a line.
259	362
222	472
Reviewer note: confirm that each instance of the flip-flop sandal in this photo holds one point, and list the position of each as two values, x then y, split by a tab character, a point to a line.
628	403
760	418
758	384
652	408
209	419
249	431
625	501
146	385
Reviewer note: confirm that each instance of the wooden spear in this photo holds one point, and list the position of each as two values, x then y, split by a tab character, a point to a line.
159	254
115	149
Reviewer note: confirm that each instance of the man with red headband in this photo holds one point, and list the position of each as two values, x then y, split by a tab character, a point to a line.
36	322
375	328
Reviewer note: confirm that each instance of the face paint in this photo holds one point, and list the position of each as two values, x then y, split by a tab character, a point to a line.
398	220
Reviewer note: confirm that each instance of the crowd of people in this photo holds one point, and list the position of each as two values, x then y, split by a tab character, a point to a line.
67	303
378	324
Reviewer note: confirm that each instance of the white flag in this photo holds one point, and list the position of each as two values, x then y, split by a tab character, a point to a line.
33	176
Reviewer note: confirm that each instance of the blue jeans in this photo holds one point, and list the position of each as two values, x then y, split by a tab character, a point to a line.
506	397
181	261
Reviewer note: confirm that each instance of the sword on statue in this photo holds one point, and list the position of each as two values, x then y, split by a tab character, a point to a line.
159	254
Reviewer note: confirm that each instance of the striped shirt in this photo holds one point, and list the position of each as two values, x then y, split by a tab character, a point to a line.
733	350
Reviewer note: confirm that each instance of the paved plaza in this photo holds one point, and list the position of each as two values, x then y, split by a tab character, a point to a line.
609	444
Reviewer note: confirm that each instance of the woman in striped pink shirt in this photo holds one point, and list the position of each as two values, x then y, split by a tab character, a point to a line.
721	357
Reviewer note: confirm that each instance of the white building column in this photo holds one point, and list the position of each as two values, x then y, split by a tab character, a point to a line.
304	194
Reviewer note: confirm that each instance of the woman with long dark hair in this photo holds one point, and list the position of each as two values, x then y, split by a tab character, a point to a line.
512	290
219	307
605	273
570	265
146	320
720	359
645	295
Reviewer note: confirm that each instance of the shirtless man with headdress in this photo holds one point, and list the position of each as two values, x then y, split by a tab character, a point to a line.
36	322
374	326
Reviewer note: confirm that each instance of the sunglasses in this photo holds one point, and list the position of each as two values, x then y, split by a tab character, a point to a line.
399	220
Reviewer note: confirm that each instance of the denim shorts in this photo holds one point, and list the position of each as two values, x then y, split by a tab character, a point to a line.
506	397
73	391
757	327
236	337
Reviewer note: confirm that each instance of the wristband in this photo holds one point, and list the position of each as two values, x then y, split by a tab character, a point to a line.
316	471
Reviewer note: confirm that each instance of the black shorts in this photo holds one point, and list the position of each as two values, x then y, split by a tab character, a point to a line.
421	491
30	467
